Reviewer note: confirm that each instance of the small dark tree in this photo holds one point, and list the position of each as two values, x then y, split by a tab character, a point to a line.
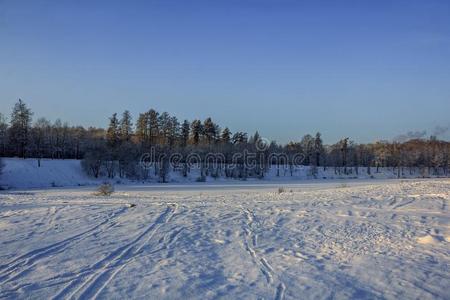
20	127
93	160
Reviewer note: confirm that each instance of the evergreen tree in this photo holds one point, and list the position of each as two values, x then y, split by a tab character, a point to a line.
113	132
174	130
255	138
185	129
318	148
209	129
20	127
126	127
165	127
196	131
153	126
142	128
225	137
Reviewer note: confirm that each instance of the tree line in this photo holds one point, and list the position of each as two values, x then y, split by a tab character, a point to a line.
118	150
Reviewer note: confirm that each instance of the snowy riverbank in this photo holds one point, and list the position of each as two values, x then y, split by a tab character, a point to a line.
26	174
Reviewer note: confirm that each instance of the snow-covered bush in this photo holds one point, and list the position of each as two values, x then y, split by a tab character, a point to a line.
105	189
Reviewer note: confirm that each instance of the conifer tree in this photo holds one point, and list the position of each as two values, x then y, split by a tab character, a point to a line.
196	131
19	131
185	129
209	129
225	137
126	127
113	132
318	148
142	128
153	126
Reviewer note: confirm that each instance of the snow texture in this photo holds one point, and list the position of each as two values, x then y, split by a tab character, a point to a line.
362	239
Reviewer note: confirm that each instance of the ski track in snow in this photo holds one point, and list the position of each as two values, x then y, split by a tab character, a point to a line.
101	273
25	262
251	244
385	240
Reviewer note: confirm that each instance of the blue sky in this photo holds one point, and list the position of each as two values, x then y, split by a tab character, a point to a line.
365	69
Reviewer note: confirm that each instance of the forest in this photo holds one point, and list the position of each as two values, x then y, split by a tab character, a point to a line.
123	147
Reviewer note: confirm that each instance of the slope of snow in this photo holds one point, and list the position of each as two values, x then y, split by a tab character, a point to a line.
25	173
371	240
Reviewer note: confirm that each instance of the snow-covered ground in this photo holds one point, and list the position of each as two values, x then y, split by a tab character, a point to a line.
27	174
373	239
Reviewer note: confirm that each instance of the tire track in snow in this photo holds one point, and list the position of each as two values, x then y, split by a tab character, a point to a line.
264	266
279	295
25	262
92	282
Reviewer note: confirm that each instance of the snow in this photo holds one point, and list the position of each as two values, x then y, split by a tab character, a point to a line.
362	239
26	174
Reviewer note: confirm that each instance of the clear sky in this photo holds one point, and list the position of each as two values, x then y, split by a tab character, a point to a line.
365	69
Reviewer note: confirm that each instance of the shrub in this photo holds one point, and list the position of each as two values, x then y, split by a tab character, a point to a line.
105	189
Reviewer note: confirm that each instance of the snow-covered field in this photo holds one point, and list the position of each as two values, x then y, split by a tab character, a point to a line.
27	174
373	239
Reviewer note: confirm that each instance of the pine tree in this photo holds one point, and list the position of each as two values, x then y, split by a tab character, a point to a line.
185	129
209	129
113	133
225	137
126	127
175	129
165	127
153	126
142	128
255	138
318	148
21	118
196	131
